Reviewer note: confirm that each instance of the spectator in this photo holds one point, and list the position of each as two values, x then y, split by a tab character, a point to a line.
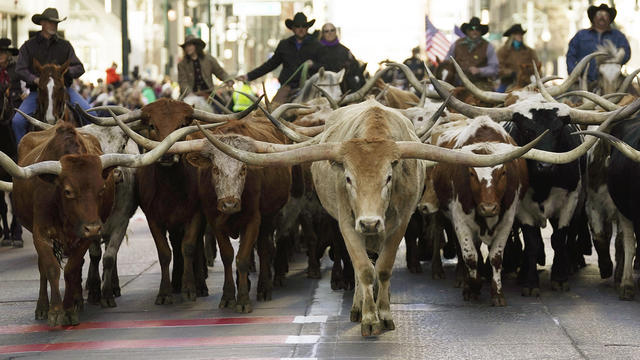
112	77
513	57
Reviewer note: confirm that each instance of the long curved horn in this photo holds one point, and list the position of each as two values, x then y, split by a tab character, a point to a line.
487	96
497	114
332	101
119	110
220	105
575	74
213	118
6	186
411	77
594	98
627	82
429	124
35	122
294	136
310	131
540	85
108	121
623	147
415	150
316	152
280	110
358	95
17	171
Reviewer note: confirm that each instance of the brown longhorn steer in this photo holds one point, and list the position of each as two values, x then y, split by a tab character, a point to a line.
481	202
64	213
245	202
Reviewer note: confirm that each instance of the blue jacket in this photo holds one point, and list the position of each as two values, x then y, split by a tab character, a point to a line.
585	42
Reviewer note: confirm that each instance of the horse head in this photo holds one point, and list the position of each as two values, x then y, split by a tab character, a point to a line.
52	95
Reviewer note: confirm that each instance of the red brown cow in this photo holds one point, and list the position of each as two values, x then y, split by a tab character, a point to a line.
480	202
245	202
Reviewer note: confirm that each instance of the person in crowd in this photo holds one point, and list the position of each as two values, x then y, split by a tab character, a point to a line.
586	40
475	55
514	56
112	76
415	63
196	67
292	53
336	56
48	48
8	78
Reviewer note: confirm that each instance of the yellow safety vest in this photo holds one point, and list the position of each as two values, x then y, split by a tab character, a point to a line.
241	102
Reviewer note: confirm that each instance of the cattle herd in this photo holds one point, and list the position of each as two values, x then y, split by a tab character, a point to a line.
445	168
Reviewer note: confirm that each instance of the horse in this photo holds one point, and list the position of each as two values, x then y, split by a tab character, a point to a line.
609	68
11	234
445	71
329	81
354	76
53	98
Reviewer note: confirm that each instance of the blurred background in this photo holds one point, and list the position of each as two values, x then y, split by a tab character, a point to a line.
243	33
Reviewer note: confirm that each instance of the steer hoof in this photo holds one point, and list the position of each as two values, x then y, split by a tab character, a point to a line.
164	299
93	298
6	242
468	294
227	302
606	270
559	285
356	315
264	295
438	274
56	318
278	280
370	329
415	268
626	292
42	311
189	295
531	292
116	291
108	302
313	273
17	243
388	324
71	318
244	308
498	300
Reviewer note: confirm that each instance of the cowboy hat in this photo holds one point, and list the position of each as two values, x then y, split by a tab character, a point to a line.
592	10
50	14
300	20
474	24
514	29
192	39
4	46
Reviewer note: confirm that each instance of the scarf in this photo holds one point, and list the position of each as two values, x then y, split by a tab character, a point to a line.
471	44
329	43
516	44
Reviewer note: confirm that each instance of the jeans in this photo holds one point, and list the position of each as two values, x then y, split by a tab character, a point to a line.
20	124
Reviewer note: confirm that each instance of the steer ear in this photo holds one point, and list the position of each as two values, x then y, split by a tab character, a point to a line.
107	171
198	161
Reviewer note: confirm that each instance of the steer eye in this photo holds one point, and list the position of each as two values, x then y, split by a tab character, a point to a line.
68	193
348	180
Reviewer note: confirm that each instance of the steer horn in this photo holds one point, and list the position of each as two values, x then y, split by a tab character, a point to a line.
358	95
487	96
575	74
622	146
332	101
108	121
294	136
431	122
217	118
6	186
35	122
119	110
594	98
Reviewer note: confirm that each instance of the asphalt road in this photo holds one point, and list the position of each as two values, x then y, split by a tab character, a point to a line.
306	319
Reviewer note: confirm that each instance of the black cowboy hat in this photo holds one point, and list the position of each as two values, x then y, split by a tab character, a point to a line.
592	10
192	39
50	14
474	24
4	46
299	19
514	29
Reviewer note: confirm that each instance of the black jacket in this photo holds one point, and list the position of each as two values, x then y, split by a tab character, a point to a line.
291	58
336	57
47	51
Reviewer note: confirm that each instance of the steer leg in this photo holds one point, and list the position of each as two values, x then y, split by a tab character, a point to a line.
228	299
165	295
560	266
384	267
435	232
42	307
529	271
73	301
248	238
627	289
93	277
50	268
191	233
411	239
265	252
110	283
601	231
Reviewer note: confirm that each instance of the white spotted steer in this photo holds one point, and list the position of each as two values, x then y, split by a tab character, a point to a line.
480	202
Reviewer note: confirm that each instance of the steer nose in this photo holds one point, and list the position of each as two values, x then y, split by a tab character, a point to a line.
488	209
229	205
370	225
91	230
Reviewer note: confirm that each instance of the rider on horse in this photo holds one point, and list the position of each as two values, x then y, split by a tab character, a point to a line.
47	48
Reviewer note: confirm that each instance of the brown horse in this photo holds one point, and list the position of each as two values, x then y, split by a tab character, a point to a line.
445	71
53	98
11	234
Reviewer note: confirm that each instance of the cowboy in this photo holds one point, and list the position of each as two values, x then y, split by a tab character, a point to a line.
475	55
196	68
586	40
514	57
8	77
48	48
292	53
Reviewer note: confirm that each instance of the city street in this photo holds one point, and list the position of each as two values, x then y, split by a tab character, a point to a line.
306	319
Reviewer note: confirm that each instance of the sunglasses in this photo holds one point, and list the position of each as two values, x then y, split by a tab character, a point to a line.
298	26
329	30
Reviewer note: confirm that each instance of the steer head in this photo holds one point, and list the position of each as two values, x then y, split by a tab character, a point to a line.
227	174
488	185
84	193
368	170
164	116
527	125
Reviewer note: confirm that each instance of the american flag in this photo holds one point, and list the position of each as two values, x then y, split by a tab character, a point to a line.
437	43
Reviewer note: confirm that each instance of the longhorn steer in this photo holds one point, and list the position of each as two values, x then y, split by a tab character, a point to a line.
480	202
